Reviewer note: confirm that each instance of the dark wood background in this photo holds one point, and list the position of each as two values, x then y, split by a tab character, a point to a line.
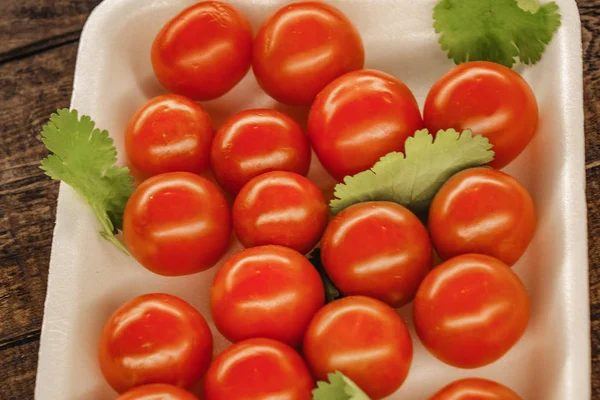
38	45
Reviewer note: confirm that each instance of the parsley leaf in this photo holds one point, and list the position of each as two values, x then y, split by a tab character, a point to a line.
495	30
412	181
331	292
83	157
339	387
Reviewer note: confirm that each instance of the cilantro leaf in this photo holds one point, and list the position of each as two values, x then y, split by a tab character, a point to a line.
412	181
331	292
495	30
83	157
339	387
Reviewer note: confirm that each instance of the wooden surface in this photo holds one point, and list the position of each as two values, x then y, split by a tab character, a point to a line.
38	46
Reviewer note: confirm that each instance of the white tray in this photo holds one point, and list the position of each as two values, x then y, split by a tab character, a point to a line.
89	278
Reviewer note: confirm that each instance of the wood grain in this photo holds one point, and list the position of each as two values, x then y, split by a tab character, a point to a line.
38	44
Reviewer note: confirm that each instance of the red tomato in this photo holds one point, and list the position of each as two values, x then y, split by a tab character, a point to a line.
359	118
157	391
280	208
258	369
155	338
169	133
377	249
177	224
301	48
257	141
204	51
470	310
268	291
491	100
364	339
482	211
475	389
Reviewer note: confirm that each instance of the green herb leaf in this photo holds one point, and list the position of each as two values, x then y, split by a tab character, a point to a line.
331	292
339	387
83	157
412	181
495	30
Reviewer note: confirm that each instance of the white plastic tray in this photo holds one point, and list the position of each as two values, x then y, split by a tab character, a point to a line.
89	278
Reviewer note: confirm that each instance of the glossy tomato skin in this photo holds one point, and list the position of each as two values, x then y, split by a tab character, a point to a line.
257	141
157	391
359	118
177	224
258	369
155	338
482	211
204	51
475	389
169	133
301	48
470	310
377	249
266	291
491	100
363	338
281	208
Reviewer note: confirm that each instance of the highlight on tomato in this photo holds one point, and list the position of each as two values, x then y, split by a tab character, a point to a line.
475	388
155	338
377	249
266	291
301	48
177	224
157	391
470	310
204	51
483	211
169	133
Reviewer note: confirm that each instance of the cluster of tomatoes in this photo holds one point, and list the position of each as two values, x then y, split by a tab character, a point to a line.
269	299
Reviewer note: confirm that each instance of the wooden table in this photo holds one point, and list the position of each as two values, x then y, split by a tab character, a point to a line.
38	46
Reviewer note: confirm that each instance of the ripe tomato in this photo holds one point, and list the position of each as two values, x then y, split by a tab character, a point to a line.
377	249
359	118
177	224
491	100
157	391
301	48
482	211
470	310
267	291
258	141
364	339
280	208
258	369
204	51
155	338
475	389
169	133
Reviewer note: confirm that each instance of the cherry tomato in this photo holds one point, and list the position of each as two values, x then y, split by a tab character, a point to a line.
280	208
267	291
491	100
482	211
204	51
475	389
377	249
301	48
470	310
258	369
155	338
177	224
257	141
359	118
364	339
169	133
157	391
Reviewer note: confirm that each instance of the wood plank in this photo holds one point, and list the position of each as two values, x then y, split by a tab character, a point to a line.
28	26
593	202
18	371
